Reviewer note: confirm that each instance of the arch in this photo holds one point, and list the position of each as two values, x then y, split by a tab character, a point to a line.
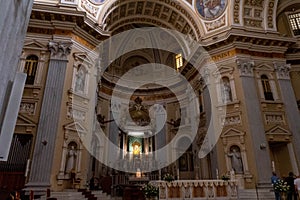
166	13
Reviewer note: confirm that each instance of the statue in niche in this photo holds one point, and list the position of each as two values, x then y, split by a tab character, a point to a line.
236	159
226	91
71	159
80	80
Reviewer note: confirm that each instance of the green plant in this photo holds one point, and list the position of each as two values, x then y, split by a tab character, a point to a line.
150	190
168	177
281	186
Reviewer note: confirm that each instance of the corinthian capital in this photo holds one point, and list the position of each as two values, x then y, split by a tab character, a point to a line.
282	70
59	50
245	67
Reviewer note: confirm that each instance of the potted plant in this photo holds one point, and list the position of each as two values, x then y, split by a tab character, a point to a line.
168	177
150	191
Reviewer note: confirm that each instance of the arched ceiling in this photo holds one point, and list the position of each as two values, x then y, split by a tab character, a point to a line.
128	14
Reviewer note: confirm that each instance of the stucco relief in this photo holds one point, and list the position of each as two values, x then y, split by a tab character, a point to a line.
89	7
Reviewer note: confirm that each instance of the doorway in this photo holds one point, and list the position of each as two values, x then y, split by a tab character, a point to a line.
280	158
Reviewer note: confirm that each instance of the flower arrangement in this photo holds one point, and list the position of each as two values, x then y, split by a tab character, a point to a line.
150	190
281	186
168	177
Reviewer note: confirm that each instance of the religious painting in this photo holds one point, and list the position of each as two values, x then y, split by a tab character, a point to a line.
211	9
97	1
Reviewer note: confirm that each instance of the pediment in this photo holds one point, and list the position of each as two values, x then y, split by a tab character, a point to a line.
223	70
264	67
83	58
33	44
232	132
24	121
76	127
279	131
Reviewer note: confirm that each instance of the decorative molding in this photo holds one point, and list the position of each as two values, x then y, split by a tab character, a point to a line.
215	24
236	11
245	67
231	120
282	70
28	108
274	118
59	50
76	114
271	14
89	7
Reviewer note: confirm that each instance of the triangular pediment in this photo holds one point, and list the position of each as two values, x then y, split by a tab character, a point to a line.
232	132
76	127
83	58
33	44
223	70
278	130
24	121
264	67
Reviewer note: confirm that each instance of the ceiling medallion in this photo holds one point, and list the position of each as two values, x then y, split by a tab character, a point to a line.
210	9
97	1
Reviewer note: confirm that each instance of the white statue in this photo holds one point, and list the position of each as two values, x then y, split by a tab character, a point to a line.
236	160
80	80
226	92
71	158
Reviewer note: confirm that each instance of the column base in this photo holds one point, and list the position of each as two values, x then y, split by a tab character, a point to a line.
38	189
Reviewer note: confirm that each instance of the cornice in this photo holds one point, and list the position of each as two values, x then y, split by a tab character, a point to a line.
67	19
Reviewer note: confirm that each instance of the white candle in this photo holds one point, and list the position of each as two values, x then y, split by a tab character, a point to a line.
217	173
273	166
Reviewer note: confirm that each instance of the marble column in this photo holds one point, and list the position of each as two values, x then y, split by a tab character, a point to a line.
13	22
40	173
255	121
290	104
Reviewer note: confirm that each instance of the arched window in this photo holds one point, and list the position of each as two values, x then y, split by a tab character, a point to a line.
226	90
30	68
266	88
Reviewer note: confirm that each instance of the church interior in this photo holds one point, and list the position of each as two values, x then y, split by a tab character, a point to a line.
121	93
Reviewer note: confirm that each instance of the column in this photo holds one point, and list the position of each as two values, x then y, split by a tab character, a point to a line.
290	105
40	173
13	22
255	121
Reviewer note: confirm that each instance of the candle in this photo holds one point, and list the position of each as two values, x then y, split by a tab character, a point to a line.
273	166
177	174
217	173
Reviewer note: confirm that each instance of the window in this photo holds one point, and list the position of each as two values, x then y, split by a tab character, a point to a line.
30	68
295	23
179	62
266	88
226	90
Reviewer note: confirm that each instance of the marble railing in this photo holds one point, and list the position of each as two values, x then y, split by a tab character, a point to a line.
197	189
